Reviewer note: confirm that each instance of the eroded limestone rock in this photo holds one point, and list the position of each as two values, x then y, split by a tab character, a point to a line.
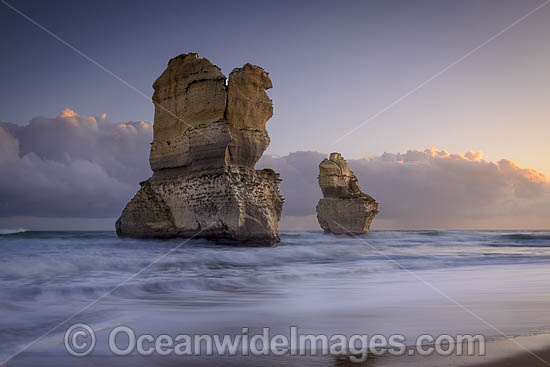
208	137
344	208
248	109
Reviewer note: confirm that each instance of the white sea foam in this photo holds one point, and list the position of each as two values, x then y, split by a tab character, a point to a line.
11	231
325	283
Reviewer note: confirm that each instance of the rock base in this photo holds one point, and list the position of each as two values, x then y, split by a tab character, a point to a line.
228	205
351	216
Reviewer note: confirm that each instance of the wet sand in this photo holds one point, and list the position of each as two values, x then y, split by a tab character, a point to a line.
525	351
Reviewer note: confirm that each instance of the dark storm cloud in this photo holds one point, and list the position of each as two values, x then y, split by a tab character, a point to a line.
299	172
71	165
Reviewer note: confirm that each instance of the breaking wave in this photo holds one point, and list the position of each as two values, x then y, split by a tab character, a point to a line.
11	231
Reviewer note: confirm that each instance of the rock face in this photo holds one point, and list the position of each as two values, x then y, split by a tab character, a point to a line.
344	208
208	136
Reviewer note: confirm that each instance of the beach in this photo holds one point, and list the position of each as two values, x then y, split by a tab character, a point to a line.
411	283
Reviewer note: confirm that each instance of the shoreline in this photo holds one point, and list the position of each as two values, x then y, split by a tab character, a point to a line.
517	351
502	352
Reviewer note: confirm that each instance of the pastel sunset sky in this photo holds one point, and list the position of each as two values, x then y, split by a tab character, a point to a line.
460	89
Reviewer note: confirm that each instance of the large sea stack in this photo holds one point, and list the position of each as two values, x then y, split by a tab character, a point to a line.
344	208
208	136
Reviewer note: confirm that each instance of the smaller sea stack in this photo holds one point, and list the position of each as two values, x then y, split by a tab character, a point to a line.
344	208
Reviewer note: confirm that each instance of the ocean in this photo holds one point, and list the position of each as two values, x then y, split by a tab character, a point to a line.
389	282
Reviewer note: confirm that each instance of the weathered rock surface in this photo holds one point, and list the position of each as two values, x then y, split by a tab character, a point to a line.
344	208
208	137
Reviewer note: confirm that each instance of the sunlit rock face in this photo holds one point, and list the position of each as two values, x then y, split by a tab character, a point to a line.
190	130
344	208
208	136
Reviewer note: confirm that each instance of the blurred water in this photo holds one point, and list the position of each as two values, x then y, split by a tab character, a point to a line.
318	282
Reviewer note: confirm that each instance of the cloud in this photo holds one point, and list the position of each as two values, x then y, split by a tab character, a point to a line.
88	167
71	165
428	189
299	172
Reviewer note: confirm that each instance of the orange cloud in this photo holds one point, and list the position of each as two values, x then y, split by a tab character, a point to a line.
428	188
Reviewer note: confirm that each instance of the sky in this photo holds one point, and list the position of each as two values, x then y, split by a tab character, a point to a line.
333	66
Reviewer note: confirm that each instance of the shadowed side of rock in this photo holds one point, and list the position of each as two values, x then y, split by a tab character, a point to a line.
344	208
248	109
232	205
208	137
